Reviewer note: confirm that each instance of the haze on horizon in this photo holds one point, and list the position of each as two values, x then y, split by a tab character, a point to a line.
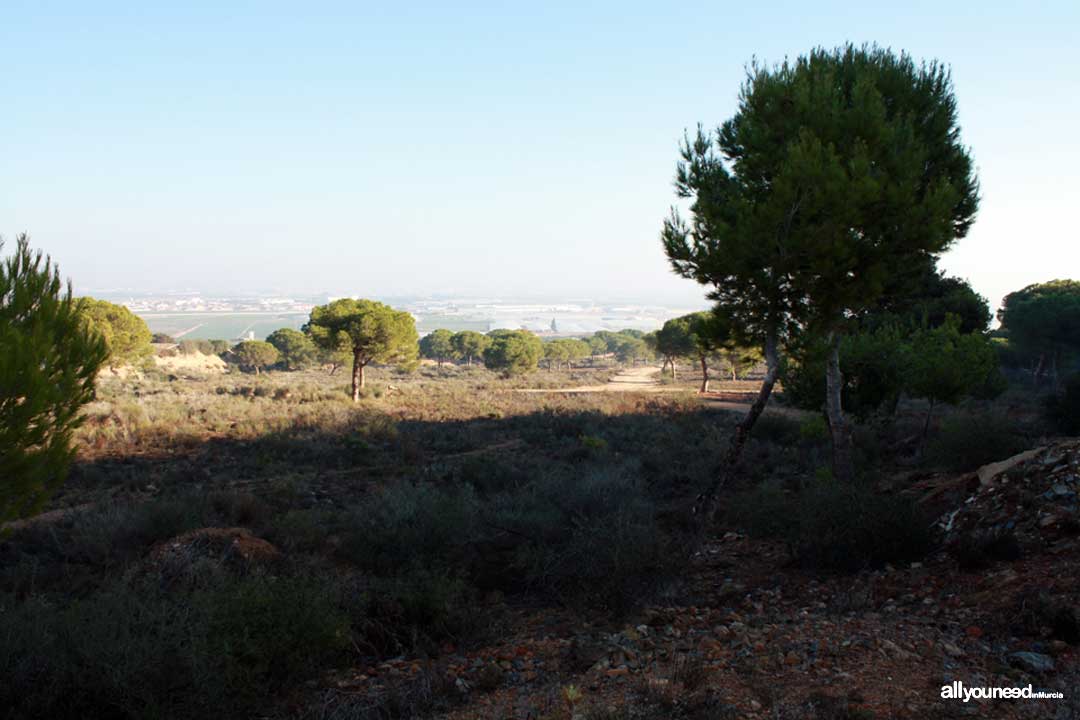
469	150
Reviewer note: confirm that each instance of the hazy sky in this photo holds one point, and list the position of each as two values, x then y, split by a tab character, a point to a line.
468	148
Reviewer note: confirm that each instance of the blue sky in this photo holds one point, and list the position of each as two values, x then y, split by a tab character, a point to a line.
467	148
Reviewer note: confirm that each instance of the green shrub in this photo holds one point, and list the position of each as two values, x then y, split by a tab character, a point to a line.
968	441
777	429
1063	408
191	347
590	538
814	429
304	530
978	550
137	651
109	537
829	525
419	609
762	511
405	525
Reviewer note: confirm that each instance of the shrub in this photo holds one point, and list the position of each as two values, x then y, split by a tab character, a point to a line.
191	347
418	609
47	369
978	550
1063	409
968	441
589	538
777	429
831	525
137	651
405	525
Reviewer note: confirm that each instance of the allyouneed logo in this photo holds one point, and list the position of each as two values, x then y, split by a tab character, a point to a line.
957	691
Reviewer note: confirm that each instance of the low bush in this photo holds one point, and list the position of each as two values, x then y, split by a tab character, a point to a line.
588	538
969	440
1062	409
72	555
191	347
978	550
405	525
137	651
778	429
833	526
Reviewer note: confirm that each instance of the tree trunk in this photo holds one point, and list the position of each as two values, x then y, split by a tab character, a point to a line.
926	426
704	375
357	377
843	465
673	377
705	507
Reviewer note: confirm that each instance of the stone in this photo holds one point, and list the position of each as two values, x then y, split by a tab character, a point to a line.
1032	662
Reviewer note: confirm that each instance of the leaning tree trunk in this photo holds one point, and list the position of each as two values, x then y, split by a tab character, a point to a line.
357	377
704	375
705	507
843	464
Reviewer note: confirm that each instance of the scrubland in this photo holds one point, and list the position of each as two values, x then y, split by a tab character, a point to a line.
236	545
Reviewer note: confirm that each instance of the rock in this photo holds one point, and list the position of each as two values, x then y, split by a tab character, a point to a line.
230	545
1032	662
586	653
987	473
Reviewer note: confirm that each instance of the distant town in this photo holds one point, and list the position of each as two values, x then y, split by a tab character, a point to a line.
200	316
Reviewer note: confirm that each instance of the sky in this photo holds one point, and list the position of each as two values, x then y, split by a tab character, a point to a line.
468	148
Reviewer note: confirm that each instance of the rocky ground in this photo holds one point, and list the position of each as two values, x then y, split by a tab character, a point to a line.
749	636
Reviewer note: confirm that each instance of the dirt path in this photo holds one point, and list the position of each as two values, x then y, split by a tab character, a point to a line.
647	379
637	379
